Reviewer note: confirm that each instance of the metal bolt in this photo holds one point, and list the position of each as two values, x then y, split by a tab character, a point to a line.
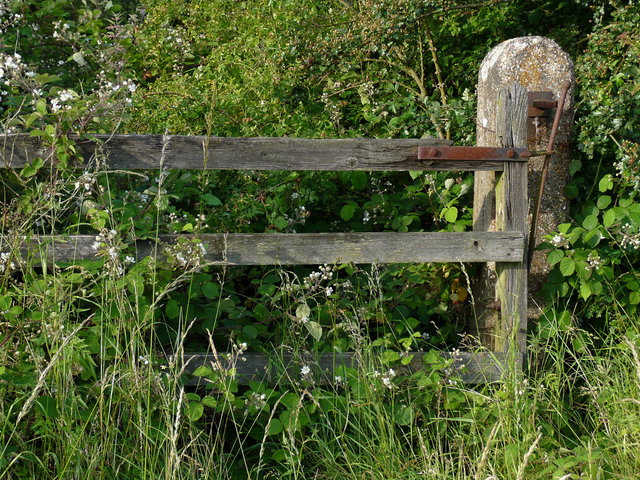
433	152
511	153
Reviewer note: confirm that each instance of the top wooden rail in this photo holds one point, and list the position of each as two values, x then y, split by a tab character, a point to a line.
142	152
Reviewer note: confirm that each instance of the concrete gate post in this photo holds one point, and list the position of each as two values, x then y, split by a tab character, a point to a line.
539	65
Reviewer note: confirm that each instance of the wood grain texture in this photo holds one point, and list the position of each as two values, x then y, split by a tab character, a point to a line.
473	368
312	248
136	152
511	214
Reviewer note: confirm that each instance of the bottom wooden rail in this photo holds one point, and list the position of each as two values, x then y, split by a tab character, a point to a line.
471	367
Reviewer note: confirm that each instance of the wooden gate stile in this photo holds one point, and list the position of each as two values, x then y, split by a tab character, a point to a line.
506	246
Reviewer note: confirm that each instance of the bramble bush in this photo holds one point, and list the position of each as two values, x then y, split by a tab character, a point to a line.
596	257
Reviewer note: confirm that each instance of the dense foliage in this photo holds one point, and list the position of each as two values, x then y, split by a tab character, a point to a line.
88	386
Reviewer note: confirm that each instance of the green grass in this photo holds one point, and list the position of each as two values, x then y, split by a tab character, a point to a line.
574	414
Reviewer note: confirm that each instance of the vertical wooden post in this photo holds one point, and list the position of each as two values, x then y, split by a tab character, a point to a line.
512	205
540	65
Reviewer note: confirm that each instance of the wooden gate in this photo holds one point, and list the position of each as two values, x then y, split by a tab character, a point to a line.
506	245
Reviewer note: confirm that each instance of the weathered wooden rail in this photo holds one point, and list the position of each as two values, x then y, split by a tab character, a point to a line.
506	246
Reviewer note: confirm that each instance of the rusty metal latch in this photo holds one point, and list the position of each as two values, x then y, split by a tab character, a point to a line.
473	153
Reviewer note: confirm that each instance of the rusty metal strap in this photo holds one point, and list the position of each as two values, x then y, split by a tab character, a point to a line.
473	153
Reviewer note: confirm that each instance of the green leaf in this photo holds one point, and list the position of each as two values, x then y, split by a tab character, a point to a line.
567	266
585	291
406	360
574	166
389	356
5	302
210	401
210	290
31	169
211	199
606	183
314	329
634	297
603	201
194	411
172	309
571	191
592	238
267	289
48	406
555	256
403	415
281	223
590	222
564	227
41	106
451	214
359	180
564	321
609	217
250	331
275	427
348	211
625	202
202	371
